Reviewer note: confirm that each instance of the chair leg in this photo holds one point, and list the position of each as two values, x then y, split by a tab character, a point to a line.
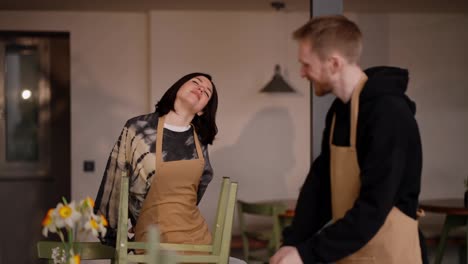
462	254
245	247
451	221
465	248
442	242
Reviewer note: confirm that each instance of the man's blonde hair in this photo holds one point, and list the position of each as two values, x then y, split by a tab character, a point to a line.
332	33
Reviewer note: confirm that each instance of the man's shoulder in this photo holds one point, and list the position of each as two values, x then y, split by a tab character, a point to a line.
390	105
390	113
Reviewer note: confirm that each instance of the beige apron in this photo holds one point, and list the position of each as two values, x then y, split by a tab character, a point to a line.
171	202
397	241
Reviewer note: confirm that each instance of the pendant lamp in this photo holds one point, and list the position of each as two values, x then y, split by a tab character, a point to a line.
277	84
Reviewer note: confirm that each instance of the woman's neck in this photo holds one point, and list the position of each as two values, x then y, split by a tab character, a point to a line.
179	119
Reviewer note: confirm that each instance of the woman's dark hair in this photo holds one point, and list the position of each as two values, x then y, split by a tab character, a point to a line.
204	124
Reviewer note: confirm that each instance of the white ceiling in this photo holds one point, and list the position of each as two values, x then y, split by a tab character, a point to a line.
233	5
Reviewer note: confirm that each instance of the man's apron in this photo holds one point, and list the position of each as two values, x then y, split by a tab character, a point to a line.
397	241
171	202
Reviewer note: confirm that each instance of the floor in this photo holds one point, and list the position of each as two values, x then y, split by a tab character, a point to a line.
450	256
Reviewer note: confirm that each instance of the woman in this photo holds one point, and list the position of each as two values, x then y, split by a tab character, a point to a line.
165	154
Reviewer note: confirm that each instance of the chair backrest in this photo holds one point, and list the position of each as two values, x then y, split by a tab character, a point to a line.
152	251
220	226
267	209
122	226
87	250
217	252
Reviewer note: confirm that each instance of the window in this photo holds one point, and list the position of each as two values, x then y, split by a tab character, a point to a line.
24	108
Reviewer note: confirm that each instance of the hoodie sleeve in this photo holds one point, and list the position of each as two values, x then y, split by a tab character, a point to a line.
382	150
313	206
313	209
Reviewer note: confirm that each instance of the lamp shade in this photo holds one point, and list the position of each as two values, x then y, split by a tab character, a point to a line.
277	84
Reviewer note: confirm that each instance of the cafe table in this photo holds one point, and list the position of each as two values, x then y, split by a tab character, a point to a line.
456	215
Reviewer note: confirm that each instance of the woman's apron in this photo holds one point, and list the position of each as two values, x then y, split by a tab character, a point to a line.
171	202
397	241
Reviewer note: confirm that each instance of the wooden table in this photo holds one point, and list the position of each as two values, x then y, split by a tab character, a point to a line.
289	203
285	219
456	214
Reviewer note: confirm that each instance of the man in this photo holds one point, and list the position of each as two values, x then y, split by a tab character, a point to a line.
359	201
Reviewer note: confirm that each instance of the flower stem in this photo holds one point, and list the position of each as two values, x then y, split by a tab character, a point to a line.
70	240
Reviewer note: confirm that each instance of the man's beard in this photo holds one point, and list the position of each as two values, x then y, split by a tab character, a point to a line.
320	89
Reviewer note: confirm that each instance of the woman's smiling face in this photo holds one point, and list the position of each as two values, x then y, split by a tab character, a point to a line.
196	93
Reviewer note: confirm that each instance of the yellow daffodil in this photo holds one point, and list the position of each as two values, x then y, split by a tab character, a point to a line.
102	226
65	211
75	259
96	225
48	218
104	221
48	223
69	218
93	226
67	215
89	201
86	208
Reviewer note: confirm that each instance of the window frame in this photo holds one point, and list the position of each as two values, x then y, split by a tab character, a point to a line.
20	170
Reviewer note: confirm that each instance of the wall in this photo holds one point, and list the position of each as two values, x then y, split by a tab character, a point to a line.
109	80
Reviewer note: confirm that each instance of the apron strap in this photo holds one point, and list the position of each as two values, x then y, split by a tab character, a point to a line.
354	114
355	110
159	137
332	130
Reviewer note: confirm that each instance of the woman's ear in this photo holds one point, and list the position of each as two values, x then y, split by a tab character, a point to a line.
200	113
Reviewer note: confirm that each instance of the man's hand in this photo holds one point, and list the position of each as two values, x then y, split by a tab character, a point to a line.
286	255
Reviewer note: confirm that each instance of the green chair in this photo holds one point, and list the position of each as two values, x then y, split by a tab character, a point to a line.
97	251
152	251
217	252
88	250
270	235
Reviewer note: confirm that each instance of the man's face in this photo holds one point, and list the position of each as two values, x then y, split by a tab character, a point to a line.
313	68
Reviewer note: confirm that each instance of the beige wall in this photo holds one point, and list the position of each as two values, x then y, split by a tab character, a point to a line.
109	80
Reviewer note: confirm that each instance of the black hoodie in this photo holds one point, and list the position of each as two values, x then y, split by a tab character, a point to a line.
389	156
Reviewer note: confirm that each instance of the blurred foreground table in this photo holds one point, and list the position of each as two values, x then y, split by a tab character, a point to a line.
456	215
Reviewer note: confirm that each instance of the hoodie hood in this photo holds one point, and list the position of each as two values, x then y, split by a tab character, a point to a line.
386	81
